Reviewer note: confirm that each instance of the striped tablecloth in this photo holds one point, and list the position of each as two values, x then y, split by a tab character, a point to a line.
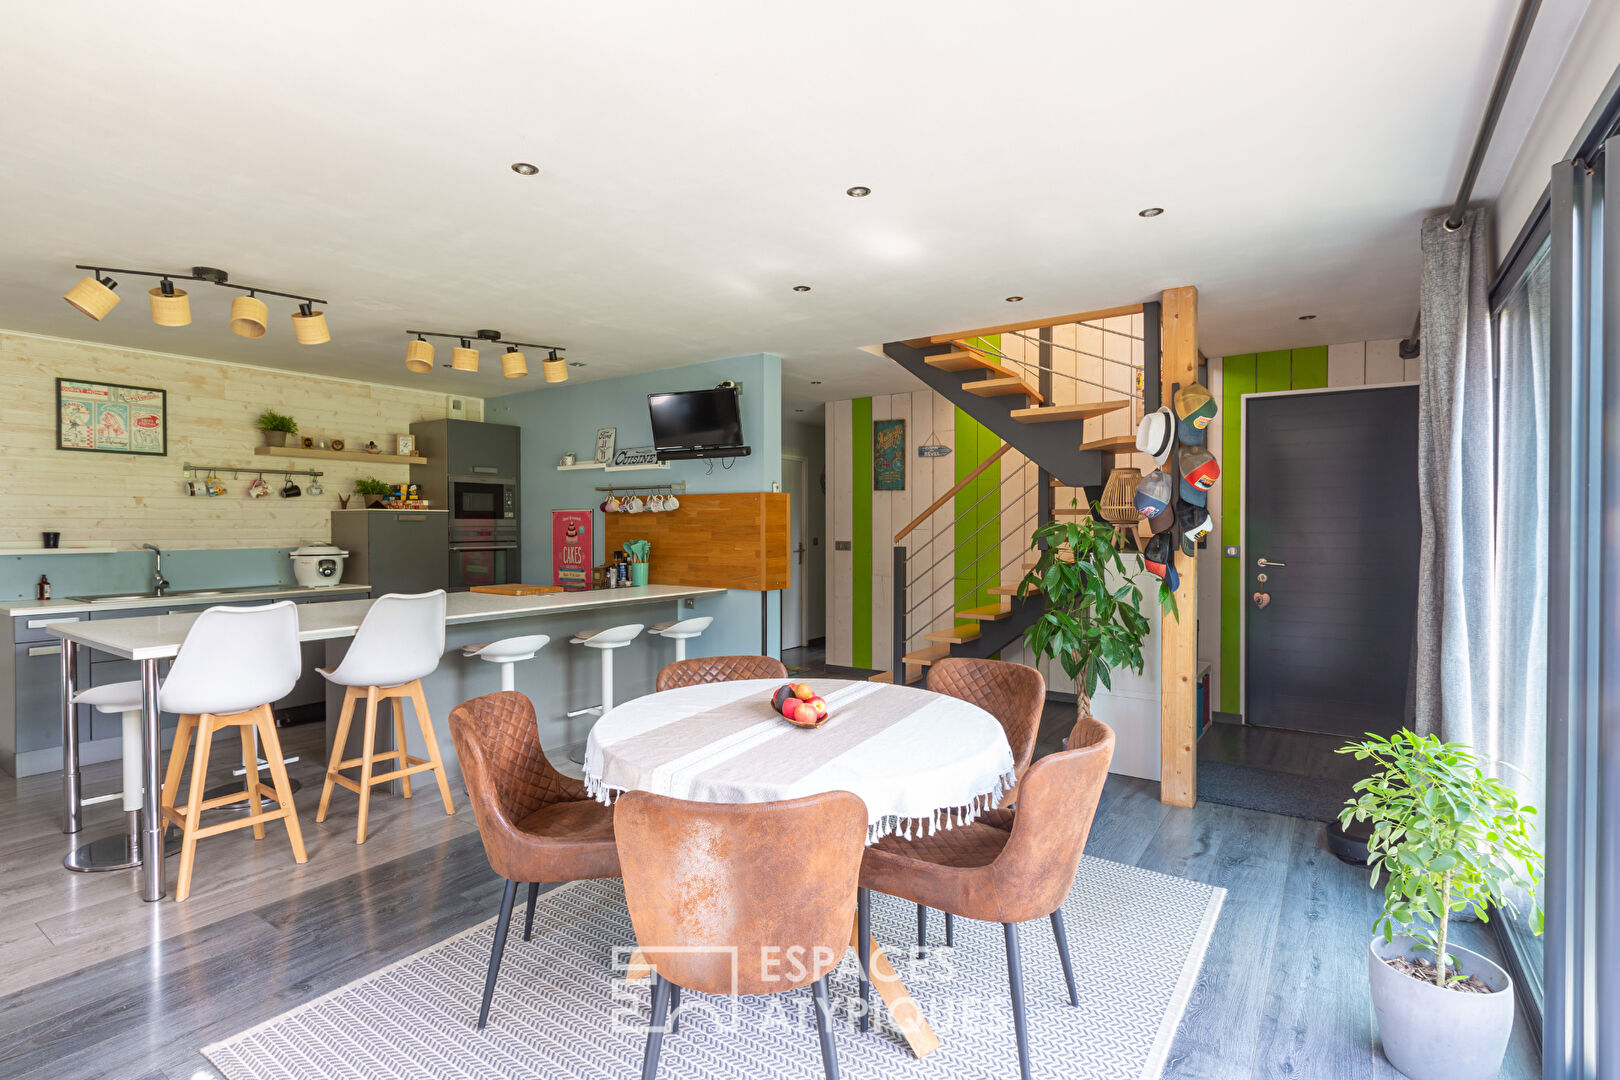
920	760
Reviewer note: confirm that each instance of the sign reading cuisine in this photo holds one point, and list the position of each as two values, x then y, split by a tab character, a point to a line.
111	419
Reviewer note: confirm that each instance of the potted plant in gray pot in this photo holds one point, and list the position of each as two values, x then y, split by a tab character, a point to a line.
1448	837
279	429
1093	623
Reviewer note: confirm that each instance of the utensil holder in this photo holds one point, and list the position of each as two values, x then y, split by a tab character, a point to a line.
638	573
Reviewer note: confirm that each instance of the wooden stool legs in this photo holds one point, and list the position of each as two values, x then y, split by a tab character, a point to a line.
369	757
189	817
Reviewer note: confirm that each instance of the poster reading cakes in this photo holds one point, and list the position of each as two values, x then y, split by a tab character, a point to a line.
571	549
110	419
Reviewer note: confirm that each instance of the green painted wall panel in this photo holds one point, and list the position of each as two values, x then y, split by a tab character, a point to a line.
1273	371
1310	368
861	534
1238	377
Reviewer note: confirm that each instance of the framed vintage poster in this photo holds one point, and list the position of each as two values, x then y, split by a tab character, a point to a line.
605	438
107	418
571	549
889	455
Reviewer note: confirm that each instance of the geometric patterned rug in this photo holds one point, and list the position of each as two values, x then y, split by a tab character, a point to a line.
561	1009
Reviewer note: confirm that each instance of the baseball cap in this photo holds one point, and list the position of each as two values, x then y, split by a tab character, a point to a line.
1195	408
1156	434
1160	558
1195	524
1153	494
1198	471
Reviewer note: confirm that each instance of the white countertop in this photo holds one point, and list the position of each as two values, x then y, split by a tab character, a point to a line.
16	608
159	636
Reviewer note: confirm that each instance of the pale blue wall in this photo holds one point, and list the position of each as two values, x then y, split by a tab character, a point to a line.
131	571
558	419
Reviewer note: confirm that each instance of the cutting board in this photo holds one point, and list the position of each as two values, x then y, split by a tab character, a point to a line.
516	590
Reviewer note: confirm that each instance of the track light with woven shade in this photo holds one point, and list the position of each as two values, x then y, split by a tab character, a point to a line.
555	369
94	296
170	306
419	356
309	326
514	365
464	357
249	316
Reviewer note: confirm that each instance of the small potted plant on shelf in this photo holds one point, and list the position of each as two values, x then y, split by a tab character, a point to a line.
1093	622
372	491
1447	837
279	430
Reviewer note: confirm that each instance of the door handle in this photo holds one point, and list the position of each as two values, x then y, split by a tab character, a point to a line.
45	650
1264	562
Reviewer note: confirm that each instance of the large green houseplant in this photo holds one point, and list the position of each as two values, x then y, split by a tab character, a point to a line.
1093	623
1446	837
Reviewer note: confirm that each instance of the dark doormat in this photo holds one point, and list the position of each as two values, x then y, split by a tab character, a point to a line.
1309	797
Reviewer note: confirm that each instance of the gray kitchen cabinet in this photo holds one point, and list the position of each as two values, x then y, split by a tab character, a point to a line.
468	447
30	695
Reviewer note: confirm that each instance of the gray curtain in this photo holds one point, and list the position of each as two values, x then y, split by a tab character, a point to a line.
1456	465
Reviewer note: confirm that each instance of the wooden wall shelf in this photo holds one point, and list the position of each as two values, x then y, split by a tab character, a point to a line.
337	455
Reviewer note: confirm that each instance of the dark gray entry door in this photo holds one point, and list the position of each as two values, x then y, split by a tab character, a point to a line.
1330	493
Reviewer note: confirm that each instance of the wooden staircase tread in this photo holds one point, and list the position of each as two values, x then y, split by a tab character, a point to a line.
1002	386
1085	410
966	360
959	636
1113	444
1005	590
913	673
988	613
924	657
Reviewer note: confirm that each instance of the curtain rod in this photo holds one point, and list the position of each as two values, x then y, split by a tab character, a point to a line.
1517	39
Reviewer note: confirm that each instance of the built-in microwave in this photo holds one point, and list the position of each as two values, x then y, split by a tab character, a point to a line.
482	499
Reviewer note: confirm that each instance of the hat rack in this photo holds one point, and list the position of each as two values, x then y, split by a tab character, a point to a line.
676	488
236	471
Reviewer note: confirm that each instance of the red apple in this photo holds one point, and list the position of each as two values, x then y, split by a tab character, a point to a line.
803	692
805	713
818	704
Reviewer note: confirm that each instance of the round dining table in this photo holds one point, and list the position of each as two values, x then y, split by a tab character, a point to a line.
921	761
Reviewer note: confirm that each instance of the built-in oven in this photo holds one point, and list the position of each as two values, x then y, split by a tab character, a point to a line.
475	500
483	553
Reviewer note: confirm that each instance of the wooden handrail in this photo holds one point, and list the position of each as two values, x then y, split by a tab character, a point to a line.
949	495
1037	324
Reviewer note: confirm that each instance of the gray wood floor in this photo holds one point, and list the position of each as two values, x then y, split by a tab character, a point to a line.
1282	992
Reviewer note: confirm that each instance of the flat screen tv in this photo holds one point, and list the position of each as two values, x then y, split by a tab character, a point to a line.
695	420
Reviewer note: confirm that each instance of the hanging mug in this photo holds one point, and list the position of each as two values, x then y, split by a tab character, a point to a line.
258	489
636	505
315	487
290	490
671	502
213	485
655	504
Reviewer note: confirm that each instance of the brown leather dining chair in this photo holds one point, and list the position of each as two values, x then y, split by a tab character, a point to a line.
722	905
1009	866
1014	694
707	669
537	824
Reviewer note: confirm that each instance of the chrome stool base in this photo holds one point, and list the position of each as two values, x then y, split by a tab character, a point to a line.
116	852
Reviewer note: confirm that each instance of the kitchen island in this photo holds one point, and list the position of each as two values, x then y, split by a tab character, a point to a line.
562	677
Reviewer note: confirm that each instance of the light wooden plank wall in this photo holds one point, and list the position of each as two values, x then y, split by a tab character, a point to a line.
127	498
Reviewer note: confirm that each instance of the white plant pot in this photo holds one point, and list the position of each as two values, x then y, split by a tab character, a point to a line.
292	439
1434	1034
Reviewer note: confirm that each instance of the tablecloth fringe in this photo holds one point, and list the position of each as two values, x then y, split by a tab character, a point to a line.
908	828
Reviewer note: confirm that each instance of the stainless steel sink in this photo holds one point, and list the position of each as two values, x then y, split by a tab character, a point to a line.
168	594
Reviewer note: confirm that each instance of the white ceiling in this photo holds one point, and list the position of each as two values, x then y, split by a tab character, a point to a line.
694	159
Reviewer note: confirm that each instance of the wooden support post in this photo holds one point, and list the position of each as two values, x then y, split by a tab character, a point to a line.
1178	640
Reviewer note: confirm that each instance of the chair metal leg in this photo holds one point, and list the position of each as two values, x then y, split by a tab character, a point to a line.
1015	980
922	926
863	949
1063	954
507	900
675	1009
528	920
655	1031
829	1052
950	929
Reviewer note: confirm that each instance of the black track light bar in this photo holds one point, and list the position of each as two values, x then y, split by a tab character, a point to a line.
492	336
208	275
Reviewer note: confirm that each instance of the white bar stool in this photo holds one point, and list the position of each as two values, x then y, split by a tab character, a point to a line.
400	640
116	851
605	641
233	663
507	652
680	631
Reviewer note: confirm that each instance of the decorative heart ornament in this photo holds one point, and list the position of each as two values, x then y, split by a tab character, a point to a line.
1261	599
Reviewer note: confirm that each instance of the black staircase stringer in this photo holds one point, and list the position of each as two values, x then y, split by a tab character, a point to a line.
1054	447
999	634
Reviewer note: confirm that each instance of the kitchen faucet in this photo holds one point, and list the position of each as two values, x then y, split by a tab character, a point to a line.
159	583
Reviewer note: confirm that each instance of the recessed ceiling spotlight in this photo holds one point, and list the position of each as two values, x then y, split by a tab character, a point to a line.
576	363
798	410
1306	318
1152	211
858	192
523	168
801	288
1014	299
